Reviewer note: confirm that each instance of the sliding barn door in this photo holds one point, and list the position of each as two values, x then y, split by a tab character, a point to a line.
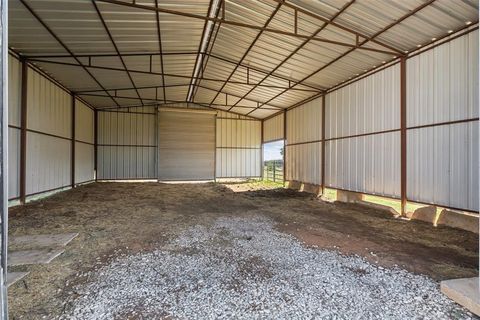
186	145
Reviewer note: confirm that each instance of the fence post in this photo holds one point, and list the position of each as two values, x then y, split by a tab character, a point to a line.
274	174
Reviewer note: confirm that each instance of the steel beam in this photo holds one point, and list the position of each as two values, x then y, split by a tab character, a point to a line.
23	132
33	13
72	154
245	25
159	32
403	135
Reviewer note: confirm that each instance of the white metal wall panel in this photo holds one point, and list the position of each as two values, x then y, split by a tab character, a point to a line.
186	145
126	145
84	122
238	146
369	105
369	164
49	106
304	163
304	123
13	163
442	83
442	165
273	128
84	162
14	106
48	163
14	90
84	139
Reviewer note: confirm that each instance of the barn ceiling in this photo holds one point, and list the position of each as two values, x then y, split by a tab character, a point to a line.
252	57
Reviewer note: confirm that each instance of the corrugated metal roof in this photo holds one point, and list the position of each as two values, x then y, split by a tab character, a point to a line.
253	57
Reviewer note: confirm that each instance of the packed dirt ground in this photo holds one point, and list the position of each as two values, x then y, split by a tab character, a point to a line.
138	217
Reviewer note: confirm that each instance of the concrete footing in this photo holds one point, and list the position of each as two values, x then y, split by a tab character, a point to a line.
311	188
349	196
464	291
378	206
295	185
426	214
458	220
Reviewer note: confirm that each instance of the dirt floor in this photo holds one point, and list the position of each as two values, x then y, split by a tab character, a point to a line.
134	217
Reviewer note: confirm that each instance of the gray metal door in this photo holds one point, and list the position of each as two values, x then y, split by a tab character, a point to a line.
186	145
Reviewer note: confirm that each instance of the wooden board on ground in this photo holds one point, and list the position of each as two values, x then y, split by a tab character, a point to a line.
25	257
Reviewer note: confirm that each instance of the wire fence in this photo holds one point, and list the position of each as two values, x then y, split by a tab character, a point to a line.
273	170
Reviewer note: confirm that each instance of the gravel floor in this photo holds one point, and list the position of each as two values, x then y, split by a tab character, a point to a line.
245	269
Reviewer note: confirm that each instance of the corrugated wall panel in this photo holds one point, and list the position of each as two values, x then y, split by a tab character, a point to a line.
84	139
84	122
13	163
84	162
442	165
238	146
48	163
304	123
369	164
14	90
14	103
442	83
442	161
126	145
49	106
368	105
304	163
273	128
304	126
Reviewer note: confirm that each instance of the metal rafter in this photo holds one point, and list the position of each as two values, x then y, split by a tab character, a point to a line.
167	75
345	7
246	25
64	46
199	58
426	4
272	15
335	24
90	57
116	48
207	54
160	48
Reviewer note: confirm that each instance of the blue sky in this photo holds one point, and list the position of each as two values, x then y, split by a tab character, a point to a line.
272	150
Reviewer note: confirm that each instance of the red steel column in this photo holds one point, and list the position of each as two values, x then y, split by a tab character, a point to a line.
23	133
323	146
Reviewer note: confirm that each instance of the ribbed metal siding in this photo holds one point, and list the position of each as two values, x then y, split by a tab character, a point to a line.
273	128
14	101
238	146
126	145
84	139
303	161
442	161
442	165
368	105
305	122
442	83
49	111
49	106
369	164
48	163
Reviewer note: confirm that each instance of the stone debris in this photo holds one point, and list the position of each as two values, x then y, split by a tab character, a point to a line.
245	269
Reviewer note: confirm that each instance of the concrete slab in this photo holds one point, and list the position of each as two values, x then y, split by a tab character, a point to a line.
13	277
460	220
24	257
464	291
42	240
426	214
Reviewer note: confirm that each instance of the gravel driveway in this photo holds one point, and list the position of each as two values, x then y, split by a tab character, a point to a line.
242	268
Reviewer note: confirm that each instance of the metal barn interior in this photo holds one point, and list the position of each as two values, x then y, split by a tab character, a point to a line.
371	97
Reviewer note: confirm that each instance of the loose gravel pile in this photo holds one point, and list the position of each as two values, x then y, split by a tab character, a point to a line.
245	269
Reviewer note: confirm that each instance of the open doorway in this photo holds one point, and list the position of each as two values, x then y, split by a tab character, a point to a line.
273	160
